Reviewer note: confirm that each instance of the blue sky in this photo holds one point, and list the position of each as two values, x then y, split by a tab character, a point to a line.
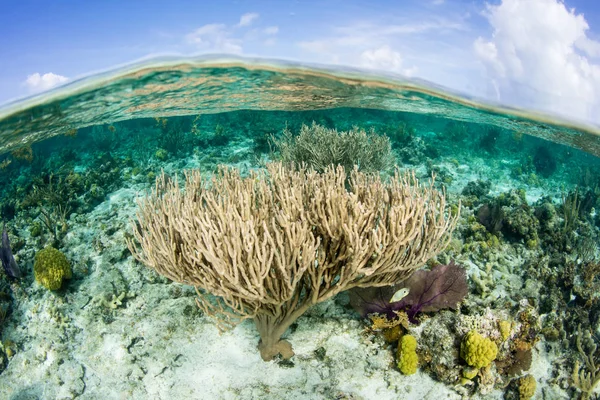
542	54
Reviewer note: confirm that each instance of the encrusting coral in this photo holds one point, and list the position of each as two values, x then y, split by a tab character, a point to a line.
273	244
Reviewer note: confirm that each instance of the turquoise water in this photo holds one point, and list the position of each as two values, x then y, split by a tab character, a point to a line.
74	161
174	88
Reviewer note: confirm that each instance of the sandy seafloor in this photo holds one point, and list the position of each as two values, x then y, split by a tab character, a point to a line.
118	330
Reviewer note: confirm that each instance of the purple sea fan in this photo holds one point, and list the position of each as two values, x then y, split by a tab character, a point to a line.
6	256
444	286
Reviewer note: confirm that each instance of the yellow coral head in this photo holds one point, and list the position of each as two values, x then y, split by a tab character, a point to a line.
51	267
408	361
478	351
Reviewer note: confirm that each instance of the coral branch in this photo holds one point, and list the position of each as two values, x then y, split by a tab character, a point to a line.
271	245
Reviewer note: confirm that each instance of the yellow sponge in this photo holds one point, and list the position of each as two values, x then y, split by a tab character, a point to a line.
478	351
527	387
408	361
51	267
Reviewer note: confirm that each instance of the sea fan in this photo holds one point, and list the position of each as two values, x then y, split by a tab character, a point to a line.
444	286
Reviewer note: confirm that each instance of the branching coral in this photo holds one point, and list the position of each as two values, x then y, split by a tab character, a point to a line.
53	197
570	210
586	377
319	147
271	245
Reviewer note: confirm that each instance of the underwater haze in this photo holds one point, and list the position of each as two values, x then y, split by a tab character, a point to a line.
133	280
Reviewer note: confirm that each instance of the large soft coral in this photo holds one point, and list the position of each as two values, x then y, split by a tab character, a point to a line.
444	286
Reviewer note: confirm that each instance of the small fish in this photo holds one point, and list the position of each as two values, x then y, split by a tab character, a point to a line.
399	295
8	261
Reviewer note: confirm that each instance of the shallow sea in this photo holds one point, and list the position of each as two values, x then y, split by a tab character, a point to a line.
74	163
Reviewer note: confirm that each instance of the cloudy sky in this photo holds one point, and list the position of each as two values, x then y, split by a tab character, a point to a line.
541	54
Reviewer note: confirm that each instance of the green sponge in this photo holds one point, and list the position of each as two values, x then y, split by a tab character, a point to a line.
408	361
527	386
51	267
478	351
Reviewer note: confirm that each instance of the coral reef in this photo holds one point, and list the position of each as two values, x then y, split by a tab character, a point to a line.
508	310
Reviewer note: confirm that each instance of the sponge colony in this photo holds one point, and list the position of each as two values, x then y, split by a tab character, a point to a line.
51	267
408	361
478	351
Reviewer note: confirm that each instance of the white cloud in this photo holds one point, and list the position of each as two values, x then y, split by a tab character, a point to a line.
231	38
381	58
590	47
215	37
38	83
384	58
433	24
385	46
247	19
539	56
363	35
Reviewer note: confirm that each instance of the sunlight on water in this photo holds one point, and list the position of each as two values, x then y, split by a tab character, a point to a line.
164	88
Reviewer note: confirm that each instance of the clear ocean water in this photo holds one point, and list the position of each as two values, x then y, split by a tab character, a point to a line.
81	318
